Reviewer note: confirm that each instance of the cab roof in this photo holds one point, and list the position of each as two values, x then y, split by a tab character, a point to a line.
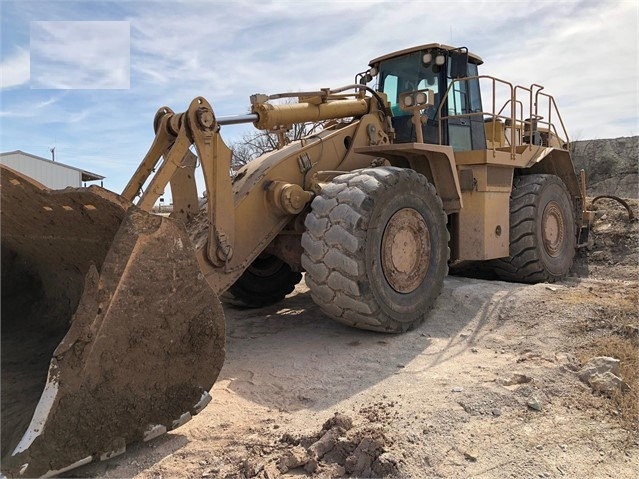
471	56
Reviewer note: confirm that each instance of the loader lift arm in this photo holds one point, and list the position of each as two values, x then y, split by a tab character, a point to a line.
175	133
266	194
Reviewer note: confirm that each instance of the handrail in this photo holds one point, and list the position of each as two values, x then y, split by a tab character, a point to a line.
525	127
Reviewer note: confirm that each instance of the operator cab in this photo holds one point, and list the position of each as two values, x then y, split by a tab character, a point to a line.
433	67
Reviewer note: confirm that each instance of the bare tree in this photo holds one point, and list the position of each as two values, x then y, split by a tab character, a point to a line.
255	144
573	142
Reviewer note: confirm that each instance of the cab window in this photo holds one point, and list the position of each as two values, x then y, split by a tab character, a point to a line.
408	73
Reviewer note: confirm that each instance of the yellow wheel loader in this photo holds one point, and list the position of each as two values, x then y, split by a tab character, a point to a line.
112	330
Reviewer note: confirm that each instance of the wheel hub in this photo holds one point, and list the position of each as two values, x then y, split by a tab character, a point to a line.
405	251
553	229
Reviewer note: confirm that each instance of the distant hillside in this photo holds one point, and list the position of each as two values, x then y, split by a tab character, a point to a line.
612	165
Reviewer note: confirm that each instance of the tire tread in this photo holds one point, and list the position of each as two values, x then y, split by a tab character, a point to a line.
525	263
339	232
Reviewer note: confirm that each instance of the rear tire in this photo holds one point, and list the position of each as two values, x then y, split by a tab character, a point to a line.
267	281
542	231
376	249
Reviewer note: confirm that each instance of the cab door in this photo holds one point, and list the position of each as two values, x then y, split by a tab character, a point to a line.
464	130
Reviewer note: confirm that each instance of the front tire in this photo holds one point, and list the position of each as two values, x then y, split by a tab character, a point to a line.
376	248
542	231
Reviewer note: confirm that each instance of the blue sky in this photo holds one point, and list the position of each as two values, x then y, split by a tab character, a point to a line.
584	52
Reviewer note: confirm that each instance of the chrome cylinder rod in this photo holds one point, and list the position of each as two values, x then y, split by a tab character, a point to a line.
237	119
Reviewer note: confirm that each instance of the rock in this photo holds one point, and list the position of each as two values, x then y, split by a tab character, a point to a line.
338	420
271	471
457	389
350	463
598	365
534	404
385	465
496	412
311	465
470	456
474	350
359	463
295	457
567	360
341	450
250	468
324	444
289	439
331	470
607	383
213	472
630	330
516	378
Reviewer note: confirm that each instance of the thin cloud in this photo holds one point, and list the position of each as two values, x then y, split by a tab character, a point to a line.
80	55
31	110
14	71
45	103
17	114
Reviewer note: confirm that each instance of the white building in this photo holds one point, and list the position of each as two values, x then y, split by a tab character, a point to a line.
51	174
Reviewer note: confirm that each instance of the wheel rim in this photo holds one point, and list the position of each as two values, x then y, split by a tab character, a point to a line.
405	251
553	229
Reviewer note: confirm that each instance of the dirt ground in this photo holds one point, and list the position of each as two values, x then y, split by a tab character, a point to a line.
485	387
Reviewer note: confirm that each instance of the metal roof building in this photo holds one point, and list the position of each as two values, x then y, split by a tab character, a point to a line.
51	174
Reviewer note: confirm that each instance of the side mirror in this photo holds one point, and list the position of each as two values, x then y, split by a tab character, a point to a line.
458	64
365	78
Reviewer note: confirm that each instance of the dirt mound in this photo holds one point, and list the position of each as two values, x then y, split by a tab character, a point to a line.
339	449
612	253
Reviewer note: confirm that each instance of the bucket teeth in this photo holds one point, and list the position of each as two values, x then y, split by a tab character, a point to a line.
154	431
118	447
183	419
75	465
201	404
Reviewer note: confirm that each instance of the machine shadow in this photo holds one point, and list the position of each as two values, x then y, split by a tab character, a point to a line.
138	457
291	356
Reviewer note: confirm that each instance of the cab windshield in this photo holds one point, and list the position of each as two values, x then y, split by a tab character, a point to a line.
408	73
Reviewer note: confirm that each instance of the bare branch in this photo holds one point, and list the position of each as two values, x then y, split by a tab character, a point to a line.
254	145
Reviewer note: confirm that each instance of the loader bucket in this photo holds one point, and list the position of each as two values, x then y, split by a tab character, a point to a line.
110	333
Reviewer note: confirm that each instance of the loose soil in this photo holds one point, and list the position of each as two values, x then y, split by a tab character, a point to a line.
485	387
